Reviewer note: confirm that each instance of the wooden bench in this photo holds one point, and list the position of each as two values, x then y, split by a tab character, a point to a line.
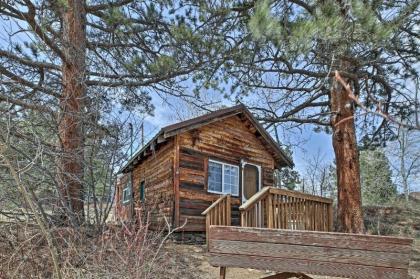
296	253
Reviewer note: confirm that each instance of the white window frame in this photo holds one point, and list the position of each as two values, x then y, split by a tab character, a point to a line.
223	192
127	188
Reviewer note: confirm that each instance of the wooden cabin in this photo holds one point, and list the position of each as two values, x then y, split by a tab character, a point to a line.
189	165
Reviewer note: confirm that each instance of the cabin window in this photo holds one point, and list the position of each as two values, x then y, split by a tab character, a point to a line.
223	178
126	194
141	191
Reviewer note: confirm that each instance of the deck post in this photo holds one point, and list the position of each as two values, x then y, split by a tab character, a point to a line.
270	211
228	211
222	272
243	221
207	230
330	217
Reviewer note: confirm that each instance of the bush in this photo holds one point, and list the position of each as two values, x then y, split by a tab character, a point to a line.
120	251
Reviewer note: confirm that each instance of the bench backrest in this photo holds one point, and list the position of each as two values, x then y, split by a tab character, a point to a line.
318	253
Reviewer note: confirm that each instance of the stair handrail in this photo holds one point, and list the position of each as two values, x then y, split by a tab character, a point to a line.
218	213
255	198
297	194
213	205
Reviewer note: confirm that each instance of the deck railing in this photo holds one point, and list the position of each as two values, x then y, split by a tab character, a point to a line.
284	209
219	213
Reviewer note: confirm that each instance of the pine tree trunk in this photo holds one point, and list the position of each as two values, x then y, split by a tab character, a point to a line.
349	215
71	105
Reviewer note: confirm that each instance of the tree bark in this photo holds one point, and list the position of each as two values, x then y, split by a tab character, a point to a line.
349	215
70	124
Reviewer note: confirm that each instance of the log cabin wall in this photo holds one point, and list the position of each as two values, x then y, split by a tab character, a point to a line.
229	140
157	173
122	211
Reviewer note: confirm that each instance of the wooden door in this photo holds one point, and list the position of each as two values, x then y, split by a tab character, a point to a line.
250	181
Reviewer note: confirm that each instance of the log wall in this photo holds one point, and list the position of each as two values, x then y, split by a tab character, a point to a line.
176	175
228	140
157	173
122	211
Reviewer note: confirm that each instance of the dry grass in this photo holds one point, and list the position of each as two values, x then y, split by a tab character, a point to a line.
119	252
135	252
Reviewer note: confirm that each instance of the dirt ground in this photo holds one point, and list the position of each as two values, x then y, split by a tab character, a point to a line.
191	261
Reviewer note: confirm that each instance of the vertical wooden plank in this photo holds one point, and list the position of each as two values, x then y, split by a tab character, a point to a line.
223	212
214	217
270	212
273	198
278	211
311	212
330	217
252	217
283	214
207	229
318	227
298	216
286	211
222	272
219	215
176	180
292	210
301	215
228	211
282	226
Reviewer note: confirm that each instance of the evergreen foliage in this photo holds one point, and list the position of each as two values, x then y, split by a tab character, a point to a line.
376	178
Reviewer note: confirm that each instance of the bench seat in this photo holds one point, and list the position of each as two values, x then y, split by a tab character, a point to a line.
318	253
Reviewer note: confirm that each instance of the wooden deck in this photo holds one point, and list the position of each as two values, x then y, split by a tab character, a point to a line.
275	208
291	233
284	209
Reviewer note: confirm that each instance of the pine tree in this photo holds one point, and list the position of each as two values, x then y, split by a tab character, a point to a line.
287	52
376	180
76	62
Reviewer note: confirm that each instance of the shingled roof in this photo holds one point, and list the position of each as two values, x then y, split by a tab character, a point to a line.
171	130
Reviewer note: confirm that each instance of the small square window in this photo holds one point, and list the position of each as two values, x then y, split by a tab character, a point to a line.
223	178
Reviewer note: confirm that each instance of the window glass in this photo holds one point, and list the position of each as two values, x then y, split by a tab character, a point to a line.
215	177
232	180
223	178
141	191
126	194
